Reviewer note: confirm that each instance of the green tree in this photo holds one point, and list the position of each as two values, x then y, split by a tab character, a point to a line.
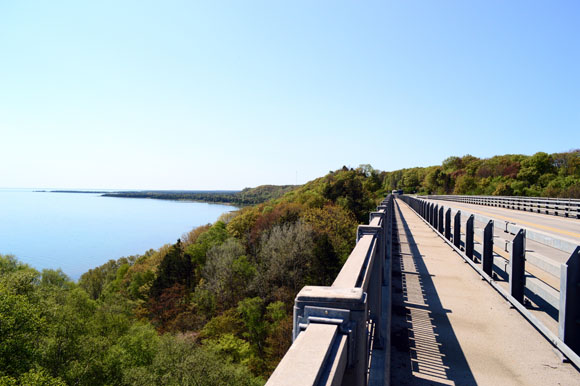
465	184
33	377
410	180
286	256
252	314
533	167
337	225
21	325
179	362
227	272
175	268
21	320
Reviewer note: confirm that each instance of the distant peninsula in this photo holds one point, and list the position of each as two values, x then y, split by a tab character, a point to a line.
74	191
247	196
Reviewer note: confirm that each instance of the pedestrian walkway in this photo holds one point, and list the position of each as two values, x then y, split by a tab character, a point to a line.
449	327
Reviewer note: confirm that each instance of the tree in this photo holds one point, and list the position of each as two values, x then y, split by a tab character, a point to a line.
227	272
175	269
279	327
533	167
197	251
347	190
95	280
251	311
21	325
137	348
57	278
33	377
410	180
179	361
68	313
336	224
465	184
286	257
168	305
452	164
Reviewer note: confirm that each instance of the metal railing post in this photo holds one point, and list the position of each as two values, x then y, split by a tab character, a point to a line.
457	229
390	214
440	220
435	216
568	322
487	258
469	237
448	224
517	274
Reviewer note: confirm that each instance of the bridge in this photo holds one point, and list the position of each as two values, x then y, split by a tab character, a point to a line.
447	290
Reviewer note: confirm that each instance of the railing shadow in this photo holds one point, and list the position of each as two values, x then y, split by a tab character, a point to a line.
425	348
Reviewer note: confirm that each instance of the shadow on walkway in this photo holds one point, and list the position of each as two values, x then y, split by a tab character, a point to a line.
425	350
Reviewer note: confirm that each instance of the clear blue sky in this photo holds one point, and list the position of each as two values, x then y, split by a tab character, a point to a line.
229	94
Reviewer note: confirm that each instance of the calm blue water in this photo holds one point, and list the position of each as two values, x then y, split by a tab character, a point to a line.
79	231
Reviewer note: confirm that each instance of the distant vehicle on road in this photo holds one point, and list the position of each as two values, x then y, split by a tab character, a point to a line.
397	192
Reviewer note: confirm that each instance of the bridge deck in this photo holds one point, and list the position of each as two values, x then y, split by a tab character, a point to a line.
451	328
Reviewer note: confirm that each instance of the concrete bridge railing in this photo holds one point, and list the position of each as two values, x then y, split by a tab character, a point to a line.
566	300
336	327
567	207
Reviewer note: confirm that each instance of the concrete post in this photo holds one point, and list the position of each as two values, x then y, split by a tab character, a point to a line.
568	322
331	305
487	258
518	266
448	224
457	229
469	237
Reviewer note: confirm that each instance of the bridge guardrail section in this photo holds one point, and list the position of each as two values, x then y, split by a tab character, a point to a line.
567	207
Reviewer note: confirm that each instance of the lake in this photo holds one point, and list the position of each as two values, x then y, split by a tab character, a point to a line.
79	231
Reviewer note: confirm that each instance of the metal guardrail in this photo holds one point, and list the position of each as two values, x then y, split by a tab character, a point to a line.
336	327
567	207
561	244
566	301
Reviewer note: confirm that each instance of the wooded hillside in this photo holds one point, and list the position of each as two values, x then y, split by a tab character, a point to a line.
542	174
